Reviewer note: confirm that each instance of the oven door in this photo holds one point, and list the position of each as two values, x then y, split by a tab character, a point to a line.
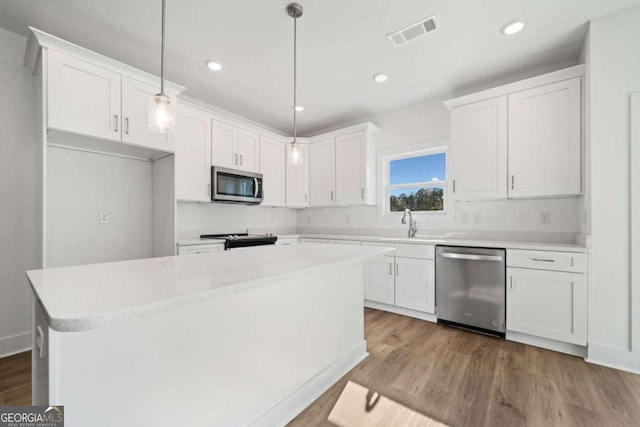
233	186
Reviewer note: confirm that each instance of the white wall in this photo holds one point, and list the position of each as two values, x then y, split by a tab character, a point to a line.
428	125
615	74
17	195
80	186
195	219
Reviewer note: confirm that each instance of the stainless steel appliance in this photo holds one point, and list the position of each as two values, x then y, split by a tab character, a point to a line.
242	240
470	288
235	186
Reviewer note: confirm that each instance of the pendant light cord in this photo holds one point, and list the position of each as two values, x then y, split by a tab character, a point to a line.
162	50
295	72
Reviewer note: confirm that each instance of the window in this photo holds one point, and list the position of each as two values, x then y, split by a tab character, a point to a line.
416	181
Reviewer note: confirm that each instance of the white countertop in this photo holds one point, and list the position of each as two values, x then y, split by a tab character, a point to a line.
534	246
90	296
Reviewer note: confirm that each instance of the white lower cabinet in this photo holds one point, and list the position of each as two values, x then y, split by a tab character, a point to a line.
415	284
379	282
547	304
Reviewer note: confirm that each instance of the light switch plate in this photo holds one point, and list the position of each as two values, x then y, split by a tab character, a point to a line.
545	218
104	218
476	217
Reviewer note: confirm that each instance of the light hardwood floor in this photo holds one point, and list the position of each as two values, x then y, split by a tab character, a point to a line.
459	378
453	377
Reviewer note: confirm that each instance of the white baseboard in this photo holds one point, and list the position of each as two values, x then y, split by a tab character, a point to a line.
403	311
288	408
562	347
613	358
15	344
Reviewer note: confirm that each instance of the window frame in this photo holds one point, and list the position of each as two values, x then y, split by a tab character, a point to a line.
406	153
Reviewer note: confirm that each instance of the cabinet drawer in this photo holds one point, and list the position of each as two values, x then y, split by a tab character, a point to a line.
310	240
345	242
543	260
286	241
415	251
200	249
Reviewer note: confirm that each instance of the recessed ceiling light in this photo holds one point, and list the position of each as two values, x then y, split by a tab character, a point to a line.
213	65
512	27
380	77
299	108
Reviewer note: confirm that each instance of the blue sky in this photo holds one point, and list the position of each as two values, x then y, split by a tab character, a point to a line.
418	169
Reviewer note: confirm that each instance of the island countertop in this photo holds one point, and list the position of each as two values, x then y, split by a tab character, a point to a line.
96	295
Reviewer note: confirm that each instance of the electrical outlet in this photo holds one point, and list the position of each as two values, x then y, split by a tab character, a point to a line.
348	218
545	218
476	218
464	218
104	218
309	219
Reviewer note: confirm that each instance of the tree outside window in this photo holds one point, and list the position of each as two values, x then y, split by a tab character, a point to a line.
417	182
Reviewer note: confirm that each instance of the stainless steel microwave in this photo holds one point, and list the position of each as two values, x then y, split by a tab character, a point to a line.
235	186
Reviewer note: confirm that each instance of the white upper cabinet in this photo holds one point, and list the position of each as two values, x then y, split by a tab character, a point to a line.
93	99
82	98
350	155
234	148
272	167
297	180
545	140
350	169
135	116
248	150
478	151
223	143
193	154
322	173
523	139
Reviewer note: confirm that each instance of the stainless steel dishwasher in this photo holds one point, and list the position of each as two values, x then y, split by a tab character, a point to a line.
470	288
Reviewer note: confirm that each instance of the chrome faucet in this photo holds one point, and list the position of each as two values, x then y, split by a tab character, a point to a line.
413	227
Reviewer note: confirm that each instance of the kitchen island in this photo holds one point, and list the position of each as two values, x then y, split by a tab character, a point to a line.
247	337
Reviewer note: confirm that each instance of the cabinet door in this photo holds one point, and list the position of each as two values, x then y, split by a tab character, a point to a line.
545	140
135	116
272	167
322	173
193	154
298	180
83	98
223	141
547	304
478	151
379	280
350	169
415	284
248	151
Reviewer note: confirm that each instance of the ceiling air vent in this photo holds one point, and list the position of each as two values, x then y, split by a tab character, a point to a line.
413	31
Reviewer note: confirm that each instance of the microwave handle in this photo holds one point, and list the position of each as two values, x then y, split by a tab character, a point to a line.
255	181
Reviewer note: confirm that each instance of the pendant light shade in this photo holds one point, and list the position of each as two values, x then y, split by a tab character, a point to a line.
294	10
162	108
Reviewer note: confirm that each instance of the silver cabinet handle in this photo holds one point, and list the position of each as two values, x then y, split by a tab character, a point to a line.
115	117
235	162
306	197
240	159
126	128
510	282
363	193
471	257
543	260
513	183
454	186
397	269
390	269
332	196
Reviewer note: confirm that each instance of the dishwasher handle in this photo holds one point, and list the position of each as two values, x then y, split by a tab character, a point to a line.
471	257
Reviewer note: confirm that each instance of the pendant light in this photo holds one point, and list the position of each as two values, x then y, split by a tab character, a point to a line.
295	154
162	109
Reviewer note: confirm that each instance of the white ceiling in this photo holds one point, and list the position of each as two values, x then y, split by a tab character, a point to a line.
341	44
